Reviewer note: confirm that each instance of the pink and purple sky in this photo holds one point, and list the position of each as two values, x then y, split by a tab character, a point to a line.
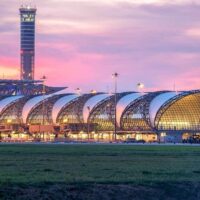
80	43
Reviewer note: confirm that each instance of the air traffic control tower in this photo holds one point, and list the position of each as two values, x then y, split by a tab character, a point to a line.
27	16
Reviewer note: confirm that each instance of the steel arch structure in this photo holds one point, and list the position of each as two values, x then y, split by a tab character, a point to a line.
136	115
103	113
172	102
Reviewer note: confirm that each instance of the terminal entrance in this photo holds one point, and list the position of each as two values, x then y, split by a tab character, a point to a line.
191	138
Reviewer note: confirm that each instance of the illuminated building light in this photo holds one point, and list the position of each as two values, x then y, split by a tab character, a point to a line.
65	120
93	91
140	85
174	123
9	121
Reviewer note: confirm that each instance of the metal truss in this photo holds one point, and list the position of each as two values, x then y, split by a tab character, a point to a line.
43	110
139	107
13	111
73	111
22	87
103	114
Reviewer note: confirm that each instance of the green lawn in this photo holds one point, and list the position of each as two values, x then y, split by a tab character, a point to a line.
77	169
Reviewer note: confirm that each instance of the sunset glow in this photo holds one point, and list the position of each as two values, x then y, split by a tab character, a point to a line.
82	43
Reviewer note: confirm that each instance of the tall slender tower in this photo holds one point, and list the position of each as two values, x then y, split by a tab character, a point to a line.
27	16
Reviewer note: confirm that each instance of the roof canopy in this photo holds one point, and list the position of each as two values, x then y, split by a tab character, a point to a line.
60	103
158	102
124	102
30	104
91	103
7	101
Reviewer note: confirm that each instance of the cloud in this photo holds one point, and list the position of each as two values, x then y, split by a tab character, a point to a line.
193	32
81	43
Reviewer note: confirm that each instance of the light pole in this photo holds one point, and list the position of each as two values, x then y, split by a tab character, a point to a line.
140	87
115	76
65	121
88	124
9	121
78	91
43	106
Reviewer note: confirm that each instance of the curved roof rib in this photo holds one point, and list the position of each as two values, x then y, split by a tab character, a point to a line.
124	102
7	101
157	103
60	103
30	104
91	103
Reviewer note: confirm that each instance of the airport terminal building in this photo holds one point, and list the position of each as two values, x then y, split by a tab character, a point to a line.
32	114
29	110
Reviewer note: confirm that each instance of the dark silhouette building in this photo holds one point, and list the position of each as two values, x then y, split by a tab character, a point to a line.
27	15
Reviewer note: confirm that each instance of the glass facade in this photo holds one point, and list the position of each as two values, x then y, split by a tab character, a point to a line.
183	114
103	116
175	116
42	114
136	115
13	113
72	113
134	118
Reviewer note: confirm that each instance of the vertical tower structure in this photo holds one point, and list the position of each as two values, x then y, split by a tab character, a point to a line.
27	16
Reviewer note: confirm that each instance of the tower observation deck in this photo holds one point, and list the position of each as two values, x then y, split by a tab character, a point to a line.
27	18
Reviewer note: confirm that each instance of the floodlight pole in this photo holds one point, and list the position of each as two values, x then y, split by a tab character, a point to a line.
43	95
115	76
78	91
88	124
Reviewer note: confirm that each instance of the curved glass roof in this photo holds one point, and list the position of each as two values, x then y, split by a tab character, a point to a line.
60	103
91	103
181	114
158	102
30	104
5	102
124	102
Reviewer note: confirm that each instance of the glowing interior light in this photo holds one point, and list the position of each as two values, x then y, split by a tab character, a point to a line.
9	121
65	120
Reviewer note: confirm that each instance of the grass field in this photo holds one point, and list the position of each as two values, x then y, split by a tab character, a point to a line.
99	172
